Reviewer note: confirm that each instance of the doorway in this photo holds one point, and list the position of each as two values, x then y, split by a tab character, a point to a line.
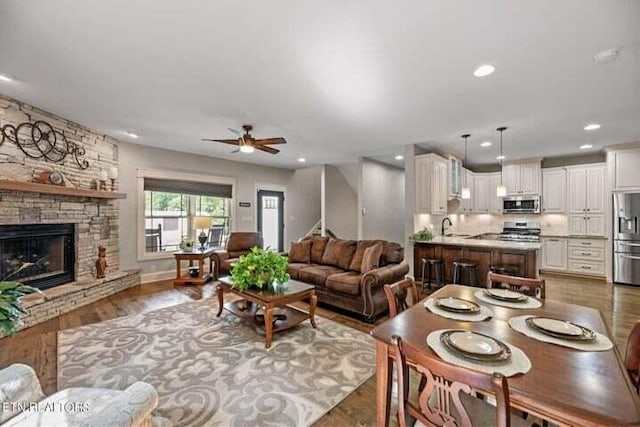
271	218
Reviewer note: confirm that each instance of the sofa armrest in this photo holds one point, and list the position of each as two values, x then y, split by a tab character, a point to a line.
18	383
384	275
220	255
131	408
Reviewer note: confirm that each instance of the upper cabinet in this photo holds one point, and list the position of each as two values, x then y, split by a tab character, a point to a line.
466	205
522	178
623	165
495	204
432	188
554	190
456	176
482	193
586	188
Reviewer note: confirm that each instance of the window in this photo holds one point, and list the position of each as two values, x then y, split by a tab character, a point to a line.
170	208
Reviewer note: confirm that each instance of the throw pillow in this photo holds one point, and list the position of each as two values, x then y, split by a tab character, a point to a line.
371	258
356	261
300	252
318	244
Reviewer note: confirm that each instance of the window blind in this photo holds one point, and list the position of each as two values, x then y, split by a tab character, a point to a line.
188	187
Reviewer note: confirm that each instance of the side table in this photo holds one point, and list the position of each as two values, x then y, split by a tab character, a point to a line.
197	255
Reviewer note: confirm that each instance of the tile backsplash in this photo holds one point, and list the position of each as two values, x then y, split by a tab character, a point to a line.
551	224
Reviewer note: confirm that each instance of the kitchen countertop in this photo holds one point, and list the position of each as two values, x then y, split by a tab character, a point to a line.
498	244
567	236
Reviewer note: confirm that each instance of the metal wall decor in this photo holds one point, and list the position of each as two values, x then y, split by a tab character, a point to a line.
39	140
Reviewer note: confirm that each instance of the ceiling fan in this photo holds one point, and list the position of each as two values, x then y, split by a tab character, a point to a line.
248	144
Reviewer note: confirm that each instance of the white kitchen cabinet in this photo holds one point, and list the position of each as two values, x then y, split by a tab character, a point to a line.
554	190
456	175
586	256
554	253
495	204
624	165
466	205
431	184
522	178
482	193
586	190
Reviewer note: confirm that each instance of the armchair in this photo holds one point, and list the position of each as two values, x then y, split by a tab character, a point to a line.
239	243
77	406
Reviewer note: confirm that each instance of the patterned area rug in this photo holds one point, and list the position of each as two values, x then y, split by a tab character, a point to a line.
216	371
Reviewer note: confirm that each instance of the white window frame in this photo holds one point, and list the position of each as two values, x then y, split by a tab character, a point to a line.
182	176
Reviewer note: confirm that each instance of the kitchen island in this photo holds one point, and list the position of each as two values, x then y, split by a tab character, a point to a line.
522	255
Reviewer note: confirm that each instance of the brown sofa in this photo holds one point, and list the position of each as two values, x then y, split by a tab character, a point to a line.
334	268
239	243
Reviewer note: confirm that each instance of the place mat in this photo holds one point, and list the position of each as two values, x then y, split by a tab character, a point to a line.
484	313
529	304
518	363
601	343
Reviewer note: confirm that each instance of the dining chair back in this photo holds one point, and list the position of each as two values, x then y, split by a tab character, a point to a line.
527	286
448	395
632	355
397	294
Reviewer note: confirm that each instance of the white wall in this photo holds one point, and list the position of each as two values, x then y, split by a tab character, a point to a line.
341	204
247	176
303	203
382	203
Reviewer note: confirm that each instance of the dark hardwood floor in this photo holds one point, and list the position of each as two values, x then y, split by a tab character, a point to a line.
37	346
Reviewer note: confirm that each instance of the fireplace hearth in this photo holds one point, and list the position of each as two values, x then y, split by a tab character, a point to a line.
49	248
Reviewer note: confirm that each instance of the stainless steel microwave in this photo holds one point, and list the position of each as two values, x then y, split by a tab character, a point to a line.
521	204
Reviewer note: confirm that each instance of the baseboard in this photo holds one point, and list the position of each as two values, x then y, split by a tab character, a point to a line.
573	275
157	276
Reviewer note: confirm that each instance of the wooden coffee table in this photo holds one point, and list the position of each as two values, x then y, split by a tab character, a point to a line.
272	320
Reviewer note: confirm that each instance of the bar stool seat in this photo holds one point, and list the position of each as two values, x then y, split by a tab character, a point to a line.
506	269
460	267
433	268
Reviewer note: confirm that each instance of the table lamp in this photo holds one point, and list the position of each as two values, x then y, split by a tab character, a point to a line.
203	223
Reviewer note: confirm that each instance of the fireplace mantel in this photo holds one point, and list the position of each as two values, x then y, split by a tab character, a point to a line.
33	187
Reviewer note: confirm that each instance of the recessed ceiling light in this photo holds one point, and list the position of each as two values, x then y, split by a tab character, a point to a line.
6	78
586	146
592	126
132	134
501	157
302	160
605	56
484	70
486	144
399	157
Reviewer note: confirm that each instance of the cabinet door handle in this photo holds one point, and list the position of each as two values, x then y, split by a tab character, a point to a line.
584	267
585	253
586	243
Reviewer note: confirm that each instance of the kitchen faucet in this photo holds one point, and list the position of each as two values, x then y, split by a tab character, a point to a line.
442	225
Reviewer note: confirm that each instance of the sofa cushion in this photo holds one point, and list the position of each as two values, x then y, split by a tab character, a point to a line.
392	253
339	253
356	262
348	283
237	254
318	274
300	252
294	268
318	244
371	258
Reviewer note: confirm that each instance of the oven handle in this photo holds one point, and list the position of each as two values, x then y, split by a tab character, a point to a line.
629	257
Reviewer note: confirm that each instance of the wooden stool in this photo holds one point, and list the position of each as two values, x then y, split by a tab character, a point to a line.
434	269
459	269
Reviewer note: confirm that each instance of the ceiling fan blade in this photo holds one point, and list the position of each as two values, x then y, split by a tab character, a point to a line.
266	149
224	141
270	141
237	132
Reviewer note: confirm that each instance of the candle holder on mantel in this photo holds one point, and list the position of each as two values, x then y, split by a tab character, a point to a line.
113	175
102	180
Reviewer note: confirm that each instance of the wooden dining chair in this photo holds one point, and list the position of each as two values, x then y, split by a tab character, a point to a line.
632	356
530	287
448	397
397	294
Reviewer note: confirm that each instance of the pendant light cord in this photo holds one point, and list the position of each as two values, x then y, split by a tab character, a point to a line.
501	129
464	163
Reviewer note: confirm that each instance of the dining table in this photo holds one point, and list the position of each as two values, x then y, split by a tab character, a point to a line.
564	385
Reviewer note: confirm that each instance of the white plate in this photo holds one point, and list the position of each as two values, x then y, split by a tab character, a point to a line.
457	304
475	343
506	294
557	326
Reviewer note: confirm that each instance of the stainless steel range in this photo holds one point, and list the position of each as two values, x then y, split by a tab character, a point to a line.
515	231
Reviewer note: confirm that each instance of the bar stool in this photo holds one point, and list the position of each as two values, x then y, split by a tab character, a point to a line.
461	267
434	269
507	270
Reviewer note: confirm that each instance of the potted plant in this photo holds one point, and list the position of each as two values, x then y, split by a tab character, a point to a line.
423	235
186	244
10	305
259	268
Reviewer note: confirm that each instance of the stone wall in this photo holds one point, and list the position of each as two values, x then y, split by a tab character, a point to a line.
96	219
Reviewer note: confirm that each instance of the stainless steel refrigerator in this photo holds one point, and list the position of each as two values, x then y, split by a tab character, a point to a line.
626	238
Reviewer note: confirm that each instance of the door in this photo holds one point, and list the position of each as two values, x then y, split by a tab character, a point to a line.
554	254
530	178
577	225
554	190
595	225
423	190
577	183
271	218
595	190
482	193
495	201
511	175
440	188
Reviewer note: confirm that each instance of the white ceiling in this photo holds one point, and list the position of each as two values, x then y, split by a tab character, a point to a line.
339	79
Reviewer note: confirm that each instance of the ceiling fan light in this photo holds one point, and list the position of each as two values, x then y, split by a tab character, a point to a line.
501	190
466	193
246	149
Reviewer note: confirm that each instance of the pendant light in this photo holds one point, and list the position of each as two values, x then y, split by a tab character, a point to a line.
466	191
501	190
